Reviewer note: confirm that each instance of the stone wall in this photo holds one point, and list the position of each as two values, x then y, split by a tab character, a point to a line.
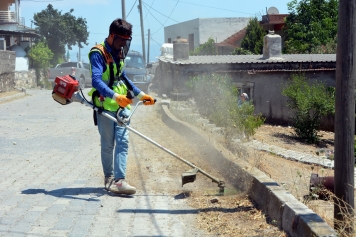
25	79
7	70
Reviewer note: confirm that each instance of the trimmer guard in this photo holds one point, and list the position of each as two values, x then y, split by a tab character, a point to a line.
189	176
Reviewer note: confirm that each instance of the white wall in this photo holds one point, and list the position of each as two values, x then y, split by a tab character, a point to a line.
21	64
220	28
183	30
203	28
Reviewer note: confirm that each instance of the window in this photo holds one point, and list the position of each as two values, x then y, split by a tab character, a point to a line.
245	87
169	40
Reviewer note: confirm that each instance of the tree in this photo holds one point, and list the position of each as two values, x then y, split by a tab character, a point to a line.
253	40
60	30
208	48
310	24
40	56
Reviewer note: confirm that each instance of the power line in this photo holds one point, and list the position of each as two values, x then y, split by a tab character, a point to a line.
159	44
147	13
214	7
131	9
159	13
167	18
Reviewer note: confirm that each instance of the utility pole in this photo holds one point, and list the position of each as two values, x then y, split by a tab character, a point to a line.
79	59
142	32
345	118
148	46
123	9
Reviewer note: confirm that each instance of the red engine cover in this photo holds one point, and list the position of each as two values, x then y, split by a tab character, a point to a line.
65	86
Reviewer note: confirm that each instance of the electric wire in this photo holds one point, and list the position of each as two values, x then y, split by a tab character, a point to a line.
131	9
159	13
147	13
217	8
167	18
159	44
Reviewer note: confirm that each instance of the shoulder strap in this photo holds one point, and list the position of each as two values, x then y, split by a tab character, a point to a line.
107	56
108	60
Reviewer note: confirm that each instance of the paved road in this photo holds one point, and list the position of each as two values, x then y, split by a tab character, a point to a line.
51	179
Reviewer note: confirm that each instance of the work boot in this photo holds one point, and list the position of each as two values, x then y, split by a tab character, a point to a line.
122	187
108	181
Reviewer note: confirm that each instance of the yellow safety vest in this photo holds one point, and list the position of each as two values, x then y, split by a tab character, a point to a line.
118	85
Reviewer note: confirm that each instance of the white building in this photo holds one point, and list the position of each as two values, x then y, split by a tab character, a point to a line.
14	35
199	30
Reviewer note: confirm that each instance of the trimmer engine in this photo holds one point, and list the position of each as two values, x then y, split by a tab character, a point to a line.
64	89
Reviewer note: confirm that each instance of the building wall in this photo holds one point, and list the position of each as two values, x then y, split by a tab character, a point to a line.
183	30
202	28
7	70
220	28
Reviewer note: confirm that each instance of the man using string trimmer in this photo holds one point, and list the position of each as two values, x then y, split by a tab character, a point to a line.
113	90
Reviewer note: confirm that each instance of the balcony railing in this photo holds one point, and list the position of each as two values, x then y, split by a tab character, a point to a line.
7	16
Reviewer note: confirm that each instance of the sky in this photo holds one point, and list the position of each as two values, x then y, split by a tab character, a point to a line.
156	15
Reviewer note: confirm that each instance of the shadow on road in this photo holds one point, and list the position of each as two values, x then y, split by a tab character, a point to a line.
72	193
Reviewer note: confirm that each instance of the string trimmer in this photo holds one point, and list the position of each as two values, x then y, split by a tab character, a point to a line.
66	90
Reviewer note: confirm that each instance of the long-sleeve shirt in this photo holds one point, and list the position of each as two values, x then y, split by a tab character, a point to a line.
97	68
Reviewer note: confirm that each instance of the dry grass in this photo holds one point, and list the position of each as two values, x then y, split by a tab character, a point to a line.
233	215
291	175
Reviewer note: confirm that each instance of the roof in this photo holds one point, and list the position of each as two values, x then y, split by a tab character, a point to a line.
242	59
18	33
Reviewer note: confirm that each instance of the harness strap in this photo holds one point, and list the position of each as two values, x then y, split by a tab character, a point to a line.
108	60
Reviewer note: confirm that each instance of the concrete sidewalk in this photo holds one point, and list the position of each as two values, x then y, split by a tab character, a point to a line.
51	180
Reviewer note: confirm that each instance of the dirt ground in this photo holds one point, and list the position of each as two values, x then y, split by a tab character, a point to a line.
295	176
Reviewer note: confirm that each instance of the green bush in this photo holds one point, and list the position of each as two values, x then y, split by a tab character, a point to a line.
241	51
40	55
216	100
309	102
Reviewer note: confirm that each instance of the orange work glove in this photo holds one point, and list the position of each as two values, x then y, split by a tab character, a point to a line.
148	100
122	100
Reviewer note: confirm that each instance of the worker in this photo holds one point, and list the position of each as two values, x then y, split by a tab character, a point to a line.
109	93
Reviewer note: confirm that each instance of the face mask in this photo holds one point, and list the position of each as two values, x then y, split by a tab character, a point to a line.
122	52
125	49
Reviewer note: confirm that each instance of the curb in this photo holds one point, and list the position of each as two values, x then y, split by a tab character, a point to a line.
15	96
290	215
